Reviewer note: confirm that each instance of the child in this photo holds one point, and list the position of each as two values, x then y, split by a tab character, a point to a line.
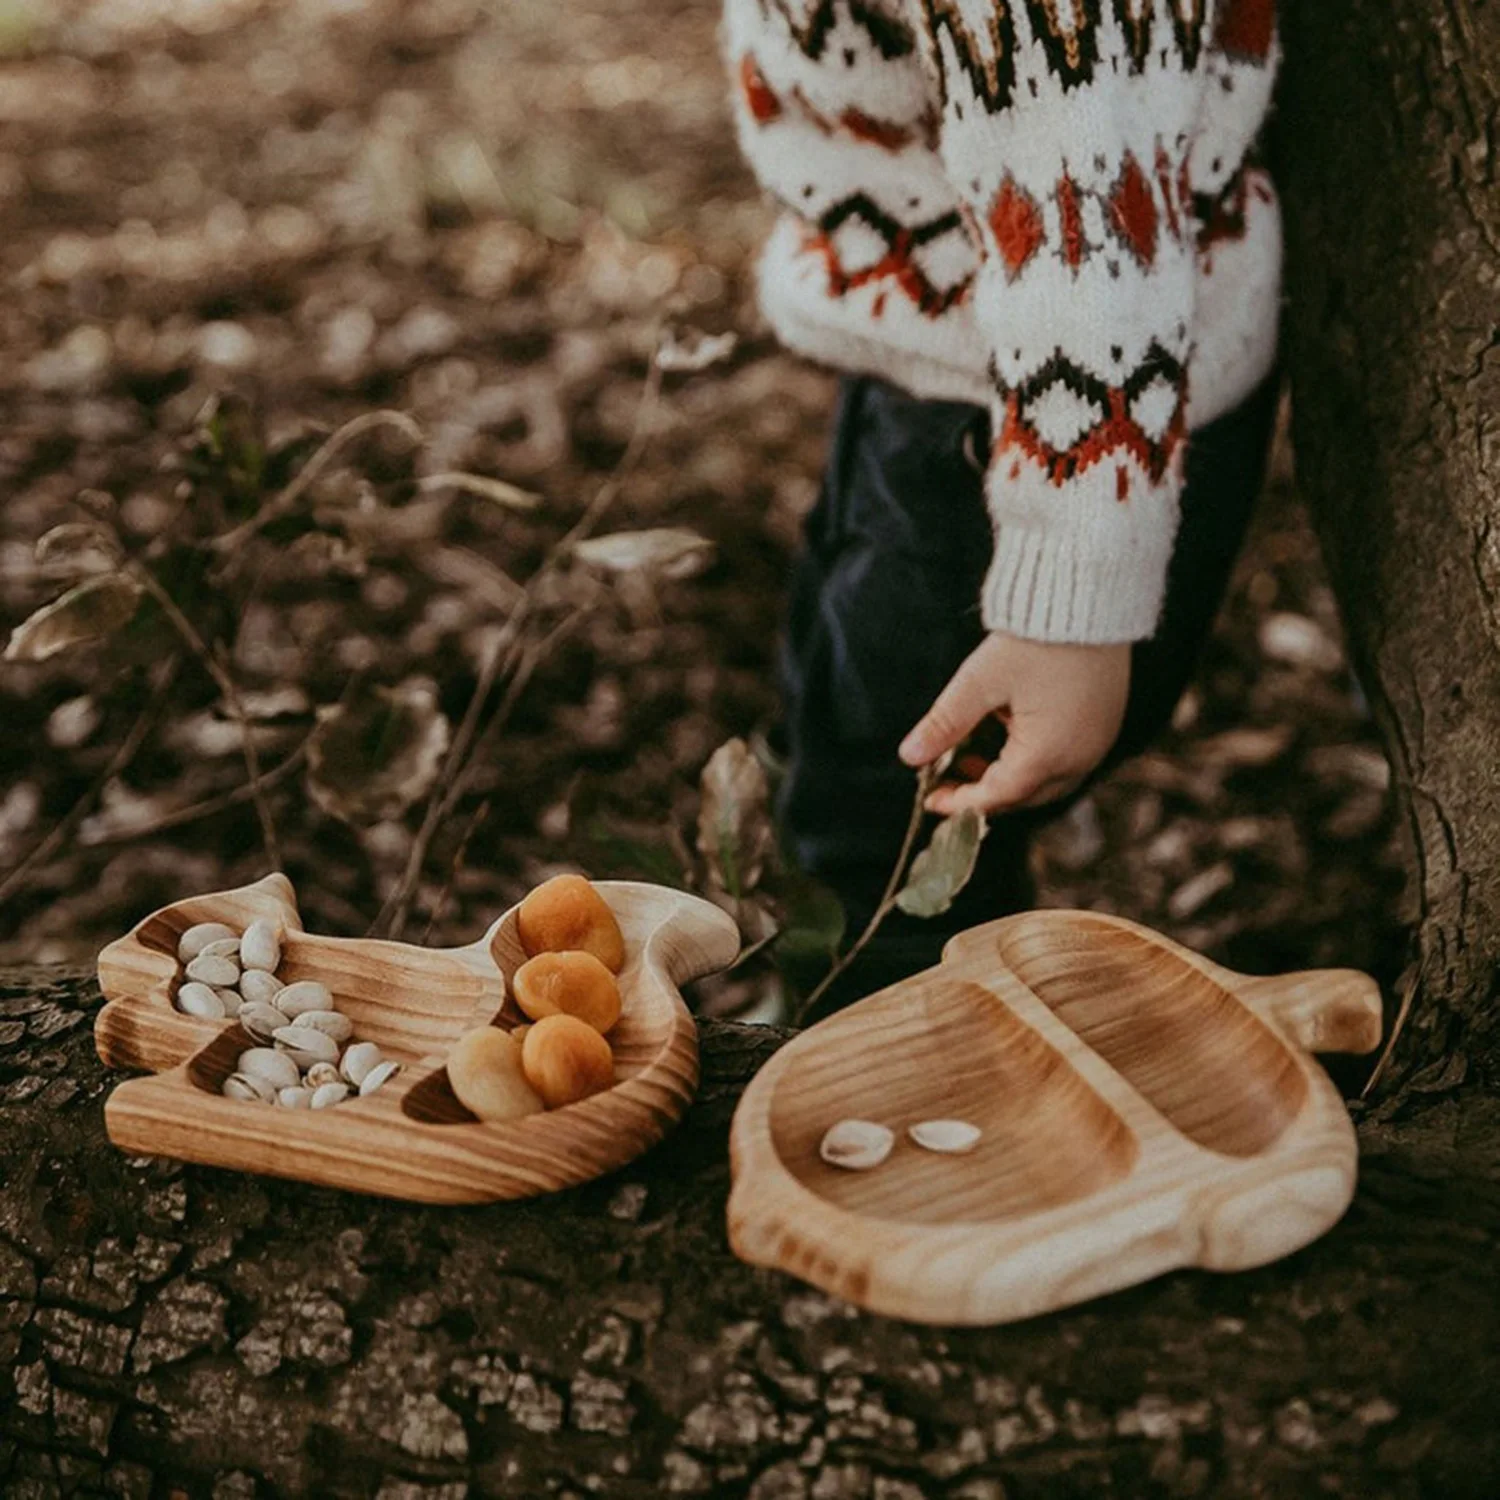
1034	236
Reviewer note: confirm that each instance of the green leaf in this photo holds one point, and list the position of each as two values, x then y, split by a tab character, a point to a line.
812	919
943	868
95	609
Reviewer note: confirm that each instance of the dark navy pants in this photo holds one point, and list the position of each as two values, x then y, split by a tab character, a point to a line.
884	608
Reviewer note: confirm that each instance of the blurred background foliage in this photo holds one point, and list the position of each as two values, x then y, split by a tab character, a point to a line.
406	300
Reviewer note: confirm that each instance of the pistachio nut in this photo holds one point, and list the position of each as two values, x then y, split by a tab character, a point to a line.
306	1046
305	994
381	1073
198	937
201	1000
259	987
359	1058
260	948
214	968
276	1069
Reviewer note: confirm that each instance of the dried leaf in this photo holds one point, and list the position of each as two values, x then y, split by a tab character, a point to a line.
734	819
374	755
78	548
943	868
671	551
94	609
487	488
693	350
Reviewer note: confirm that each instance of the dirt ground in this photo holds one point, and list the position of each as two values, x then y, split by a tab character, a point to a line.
479	215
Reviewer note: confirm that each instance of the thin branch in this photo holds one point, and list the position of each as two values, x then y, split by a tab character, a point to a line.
124	753
887	904
441	808
391	919
478	817
186	629
518	660
280	505
208	806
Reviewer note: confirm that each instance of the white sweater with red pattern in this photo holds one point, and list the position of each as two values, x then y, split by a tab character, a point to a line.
1042	206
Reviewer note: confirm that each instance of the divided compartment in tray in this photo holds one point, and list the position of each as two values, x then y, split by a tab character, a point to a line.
949	1050
1200	1056
636	1039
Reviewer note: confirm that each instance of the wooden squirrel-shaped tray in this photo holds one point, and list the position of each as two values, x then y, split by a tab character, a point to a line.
1141	1109
412	1139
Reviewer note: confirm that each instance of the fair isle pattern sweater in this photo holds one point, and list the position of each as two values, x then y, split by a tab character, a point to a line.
1048	207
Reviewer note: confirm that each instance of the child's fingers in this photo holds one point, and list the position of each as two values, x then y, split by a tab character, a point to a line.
1012	781
968	697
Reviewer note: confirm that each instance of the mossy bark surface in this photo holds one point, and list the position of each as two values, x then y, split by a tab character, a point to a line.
176	1330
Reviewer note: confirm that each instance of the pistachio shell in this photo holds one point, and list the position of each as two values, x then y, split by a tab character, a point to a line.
221	948
358	1059
381	1073
259	987
261	1022
242	1086
330	1094
214	969
329	1022
297	1098
229	999
274	1068
306	994
306	1046
856	1145
199	936
952	1137
321	1073
201	1000
260	948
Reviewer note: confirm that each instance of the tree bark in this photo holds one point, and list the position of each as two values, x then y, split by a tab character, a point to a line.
169	1330
1388	156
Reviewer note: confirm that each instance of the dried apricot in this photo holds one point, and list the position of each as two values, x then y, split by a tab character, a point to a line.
566	1060
486	1073
568	984
566	913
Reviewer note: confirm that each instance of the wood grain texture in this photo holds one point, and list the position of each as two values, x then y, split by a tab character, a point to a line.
412	1139
1142	1109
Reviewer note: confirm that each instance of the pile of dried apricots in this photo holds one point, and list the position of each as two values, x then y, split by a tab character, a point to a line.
569	990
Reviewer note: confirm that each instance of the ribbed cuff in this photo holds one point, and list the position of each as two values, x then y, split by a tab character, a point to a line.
1066	587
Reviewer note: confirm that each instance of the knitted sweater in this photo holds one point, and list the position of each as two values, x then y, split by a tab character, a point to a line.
1048	207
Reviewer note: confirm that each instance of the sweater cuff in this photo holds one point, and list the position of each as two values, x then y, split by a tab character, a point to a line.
1095	586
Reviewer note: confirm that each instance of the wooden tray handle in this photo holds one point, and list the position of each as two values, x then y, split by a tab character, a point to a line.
1322	1010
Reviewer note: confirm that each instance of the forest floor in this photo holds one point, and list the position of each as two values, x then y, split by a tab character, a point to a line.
480	215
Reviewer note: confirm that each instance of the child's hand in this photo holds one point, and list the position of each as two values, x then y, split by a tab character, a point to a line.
1061	705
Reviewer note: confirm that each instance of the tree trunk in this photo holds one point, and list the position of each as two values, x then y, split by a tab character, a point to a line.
1388	156
169	1330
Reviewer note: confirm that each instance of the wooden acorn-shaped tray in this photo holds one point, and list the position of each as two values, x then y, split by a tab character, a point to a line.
412	1139
1142	1109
